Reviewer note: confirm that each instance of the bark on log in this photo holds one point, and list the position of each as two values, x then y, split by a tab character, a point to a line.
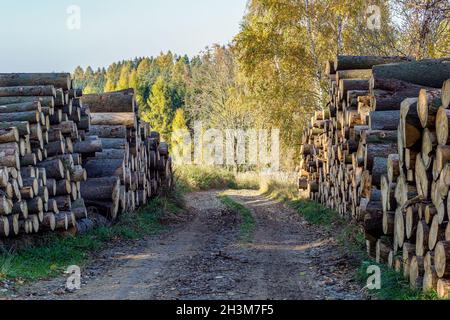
79	209
431	73
90	146
48	102
30	116
58	80
120	101
379	169
127	119
105	168
384	120
98	190
345	85
364	62
21	107
54	168
377	150
22	126
27	91
107	131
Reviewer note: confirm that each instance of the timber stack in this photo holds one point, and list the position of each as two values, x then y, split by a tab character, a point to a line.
122	155
379	154
59	161
41	119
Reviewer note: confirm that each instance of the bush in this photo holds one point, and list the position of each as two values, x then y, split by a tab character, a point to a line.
197	178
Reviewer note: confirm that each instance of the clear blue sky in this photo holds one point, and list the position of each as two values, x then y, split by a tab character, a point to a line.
35	38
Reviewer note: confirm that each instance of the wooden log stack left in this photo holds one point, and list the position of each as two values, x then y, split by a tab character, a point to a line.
40	118
46	148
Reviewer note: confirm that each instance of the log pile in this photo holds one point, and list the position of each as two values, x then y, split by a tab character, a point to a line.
40	121
121	146
59	160
379	153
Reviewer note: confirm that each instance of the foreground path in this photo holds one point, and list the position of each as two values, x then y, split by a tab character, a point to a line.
205	259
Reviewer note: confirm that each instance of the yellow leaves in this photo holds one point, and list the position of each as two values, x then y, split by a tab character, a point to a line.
179	121
109	86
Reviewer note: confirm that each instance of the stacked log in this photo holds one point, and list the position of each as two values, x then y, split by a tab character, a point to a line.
58	160
380	154
119	145
40	120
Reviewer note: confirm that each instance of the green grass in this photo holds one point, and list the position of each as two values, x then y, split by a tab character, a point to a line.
192	178
314	213
56	252
247	225
198	178
280	190
393	284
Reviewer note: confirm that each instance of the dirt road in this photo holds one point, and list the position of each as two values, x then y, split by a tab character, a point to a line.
205	258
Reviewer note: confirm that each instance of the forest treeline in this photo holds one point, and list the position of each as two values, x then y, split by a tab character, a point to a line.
272	74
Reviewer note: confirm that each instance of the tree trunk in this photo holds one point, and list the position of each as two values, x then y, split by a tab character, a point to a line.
21	107
58	80
422	236
428	104
416	272
442	259
105	168
120	101
446	94
431	73
442	126
384	120
89	146
107	131
54	168
364	62
30	116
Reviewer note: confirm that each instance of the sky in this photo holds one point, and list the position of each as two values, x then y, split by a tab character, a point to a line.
43	36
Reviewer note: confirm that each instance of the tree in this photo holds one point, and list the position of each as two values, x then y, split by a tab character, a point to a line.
179	121
158	112
109	86
143	74
133	80
123	82
215	96
282	48
78	76
180	142
424	27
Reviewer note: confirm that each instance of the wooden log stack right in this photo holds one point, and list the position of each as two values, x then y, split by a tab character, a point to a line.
379	153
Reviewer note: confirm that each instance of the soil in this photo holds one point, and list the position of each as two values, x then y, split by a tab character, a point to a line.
205	257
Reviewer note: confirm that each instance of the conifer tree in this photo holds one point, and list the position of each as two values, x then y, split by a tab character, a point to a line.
124	77
159	113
